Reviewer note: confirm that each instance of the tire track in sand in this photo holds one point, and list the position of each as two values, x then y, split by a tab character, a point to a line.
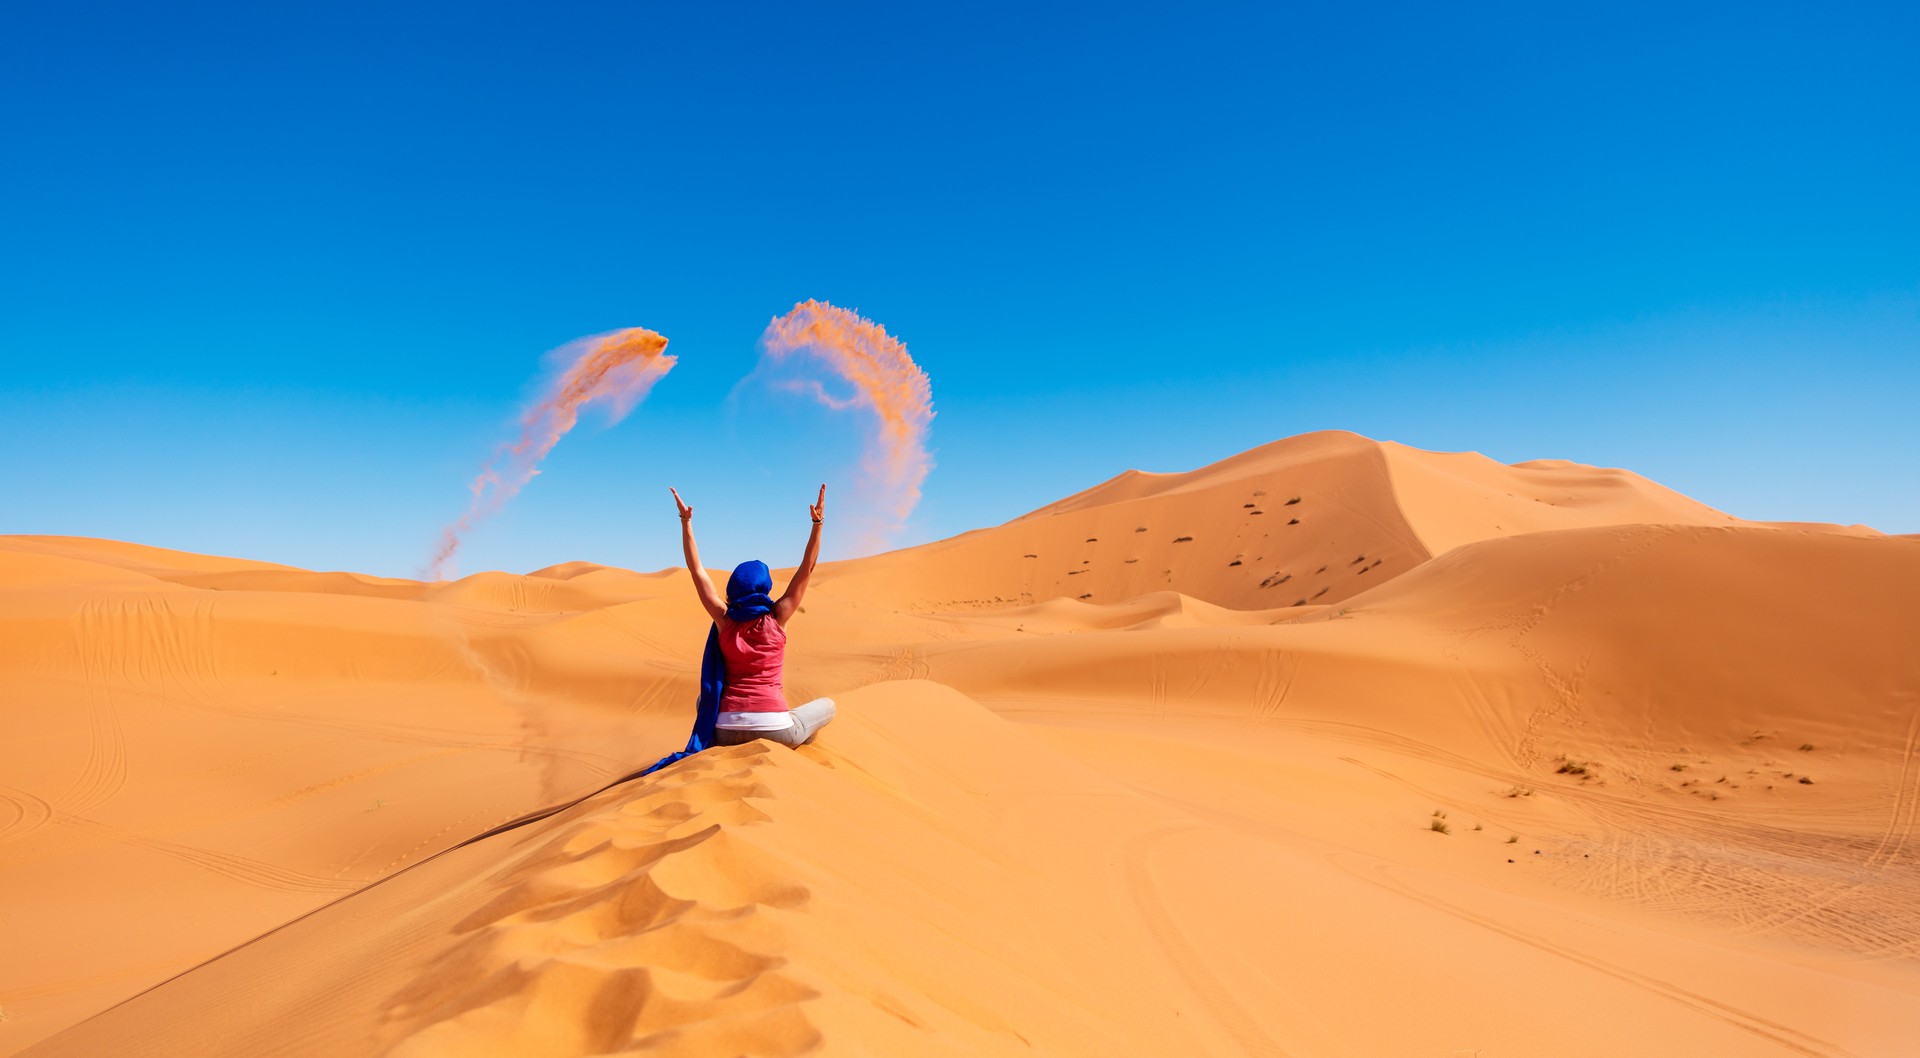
252	872
1782	1035
1187	962
1893	841
29	813
1906	803
104	771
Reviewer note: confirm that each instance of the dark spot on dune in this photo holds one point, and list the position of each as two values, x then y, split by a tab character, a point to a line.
1257	512
1182	539
1131	561
1319	593
1093	539
1357	561
1299	602
1030	556
1246	505
1088	595
1293	521
1235	562
1322	569
1293	501
1141	529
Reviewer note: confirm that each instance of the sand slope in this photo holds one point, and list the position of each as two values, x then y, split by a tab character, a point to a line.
1189	818
248	741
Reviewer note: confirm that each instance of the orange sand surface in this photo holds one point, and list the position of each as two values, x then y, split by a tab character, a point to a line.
1335	747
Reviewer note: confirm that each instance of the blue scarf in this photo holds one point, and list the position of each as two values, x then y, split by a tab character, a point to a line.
747	599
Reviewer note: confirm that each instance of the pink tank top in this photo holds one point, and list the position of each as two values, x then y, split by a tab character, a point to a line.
755	651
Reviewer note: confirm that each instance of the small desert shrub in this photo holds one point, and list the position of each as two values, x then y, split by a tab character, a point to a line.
1438	826
1513	839
1806	747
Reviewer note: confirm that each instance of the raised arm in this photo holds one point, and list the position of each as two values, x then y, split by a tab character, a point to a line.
789	604
702	584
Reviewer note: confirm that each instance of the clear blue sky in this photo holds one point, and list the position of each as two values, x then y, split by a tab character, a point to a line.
276	277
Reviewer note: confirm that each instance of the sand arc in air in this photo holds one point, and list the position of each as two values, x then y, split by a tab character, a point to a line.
613	372
886	384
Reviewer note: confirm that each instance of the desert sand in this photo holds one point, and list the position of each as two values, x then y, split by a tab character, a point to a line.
1335	747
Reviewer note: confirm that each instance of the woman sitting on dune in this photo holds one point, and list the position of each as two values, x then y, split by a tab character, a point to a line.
740	683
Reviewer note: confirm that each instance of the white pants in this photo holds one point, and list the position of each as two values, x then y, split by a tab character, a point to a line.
808	719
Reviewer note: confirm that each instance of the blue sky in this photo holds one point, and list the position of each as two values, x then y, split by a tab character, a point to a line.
279	276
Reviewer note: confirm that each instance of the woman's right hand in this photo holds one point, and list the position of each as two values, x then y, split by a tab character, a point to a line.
686	512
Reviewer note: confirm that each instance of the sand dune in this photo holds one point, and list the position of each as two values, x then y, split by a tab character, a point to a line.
1459	758
1313	519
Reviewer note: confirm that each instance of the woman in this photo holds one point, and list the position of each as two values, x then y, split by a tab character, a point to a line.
740	675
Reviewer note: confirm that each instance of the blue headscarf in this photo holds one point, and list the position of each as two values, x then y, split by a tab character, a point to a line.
747	599
747	591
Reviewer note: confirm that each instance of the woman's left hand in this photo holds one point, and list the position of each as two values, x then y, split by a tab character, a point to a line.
819	507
